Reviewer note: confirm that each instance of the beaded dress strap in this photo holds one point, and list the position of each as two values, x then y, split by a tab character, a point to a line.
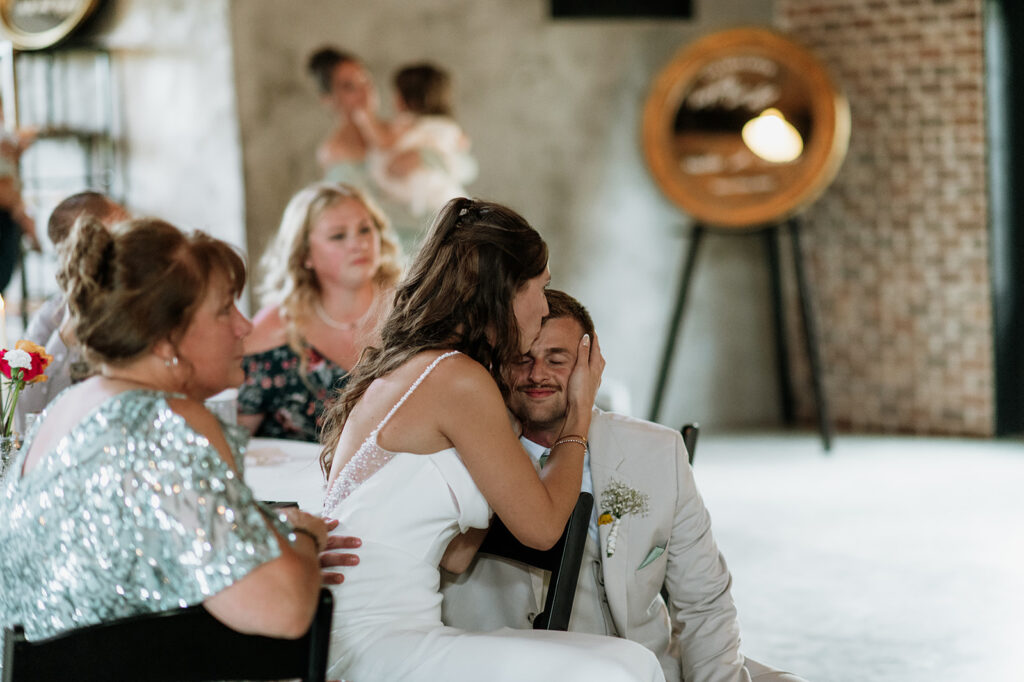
370	457
415	385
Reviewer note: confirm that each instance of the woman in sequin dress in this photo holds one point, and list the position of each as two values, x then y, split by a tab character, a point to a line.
330	273
127	496
420	450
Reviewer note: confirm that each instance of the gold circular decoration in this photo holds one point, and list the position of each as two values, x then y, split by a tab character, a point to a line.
744	128
39	24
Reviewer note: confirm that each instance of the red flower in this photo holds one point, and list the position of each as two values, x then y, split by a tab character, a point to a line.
40	361
30	361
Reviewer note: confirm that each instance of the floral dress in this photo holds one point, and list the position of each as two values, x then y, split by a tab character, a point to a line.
291	401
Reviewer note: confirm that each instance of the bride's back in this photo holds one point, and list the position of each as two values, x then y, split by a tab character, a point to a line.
413	428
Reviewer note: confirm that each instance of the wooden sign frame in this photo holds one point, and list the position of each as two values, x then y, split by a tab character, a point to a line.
25	38
799	184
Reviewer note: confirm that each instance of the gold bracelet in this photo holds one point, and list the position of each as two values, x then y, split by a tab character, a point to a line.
570	439
572	435
311	535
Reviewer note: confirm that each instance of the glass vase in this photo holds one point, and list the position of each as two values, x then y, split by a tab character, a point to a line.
9	446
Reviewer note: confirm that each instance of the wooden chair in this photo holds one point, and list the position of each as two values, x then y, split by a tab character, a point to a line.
563	561
690	433
183	645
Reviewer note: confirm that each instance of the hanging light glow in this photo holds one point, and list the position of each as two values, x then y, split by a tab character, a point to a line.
3	324
772	137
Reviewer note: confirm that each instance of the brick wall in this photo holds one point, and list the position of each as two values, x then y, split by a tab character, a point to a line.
897	249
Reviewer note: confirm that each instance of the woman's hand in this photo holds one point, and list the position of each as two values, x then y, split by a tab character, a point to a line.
331	558
586	377
308	522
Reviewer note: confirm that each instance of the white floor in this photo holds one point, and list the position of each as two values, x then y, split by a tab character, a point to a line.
889	560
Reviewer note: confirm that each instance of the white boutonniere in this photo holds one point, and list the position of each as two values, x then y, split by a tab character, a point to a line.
617	500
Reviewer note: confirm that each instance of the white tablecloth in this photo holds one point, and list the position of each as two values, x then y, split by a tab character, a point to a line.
283	470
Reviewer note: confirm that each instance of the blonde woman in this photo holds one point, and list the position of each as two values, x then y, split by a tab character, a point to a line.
329	278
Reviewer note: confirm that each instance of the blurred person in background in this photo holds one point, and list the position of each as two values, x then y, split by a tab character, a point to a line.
50	326
421	157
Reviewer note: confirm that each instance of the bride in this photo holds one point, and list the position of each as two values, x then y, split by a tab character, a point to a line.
420	450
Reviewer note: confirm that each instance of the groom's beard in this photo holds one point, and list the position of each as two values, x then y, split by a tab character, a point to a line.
539	414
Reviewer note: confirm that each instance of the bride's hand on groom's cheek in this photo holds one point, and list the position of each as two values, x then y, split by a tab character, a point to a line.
333	557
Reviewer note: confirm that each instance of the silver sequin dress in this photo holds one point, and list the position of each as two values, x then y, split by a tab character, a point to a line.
132	512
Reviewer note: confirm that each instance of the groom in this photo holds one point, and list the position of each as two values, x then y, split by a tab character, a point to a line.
696	635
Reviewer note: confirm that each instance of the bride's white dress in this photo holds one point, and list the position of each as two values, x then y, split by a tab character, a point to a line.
387	613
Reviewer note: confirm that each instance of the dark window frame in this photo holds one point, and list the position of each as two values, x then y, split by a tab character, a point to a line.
1004	103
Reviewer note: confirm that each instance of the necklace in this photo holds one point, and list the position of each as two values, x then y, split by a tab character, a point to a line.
342	326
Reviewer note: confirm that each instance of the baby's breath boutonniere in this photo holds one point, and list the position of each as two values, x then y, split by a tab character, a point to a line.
618	499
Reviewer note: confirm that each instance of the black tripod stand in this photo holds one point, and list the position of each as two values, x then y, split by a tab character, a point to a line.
771	238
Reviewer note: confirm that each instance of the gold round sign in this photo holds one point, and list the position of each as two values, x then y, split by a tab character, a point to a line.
744	128
39	24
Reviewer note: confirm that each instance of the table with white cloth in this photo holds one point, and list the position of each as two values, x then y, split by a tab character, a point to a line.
285	470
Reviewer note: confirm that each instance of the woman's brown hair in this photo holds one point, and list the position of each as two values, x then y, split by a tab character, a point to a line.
321	65
457	295
138	284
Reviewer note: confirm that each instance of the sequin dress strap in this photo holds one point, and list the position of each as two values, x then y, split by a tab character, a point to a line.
371	457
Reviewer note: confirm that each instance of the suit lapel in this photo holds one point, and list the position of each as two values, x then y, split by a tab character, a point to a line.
606	458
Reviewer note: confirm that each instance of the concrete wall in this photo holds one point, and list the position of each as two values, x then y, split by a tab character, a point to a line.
553	109
180	122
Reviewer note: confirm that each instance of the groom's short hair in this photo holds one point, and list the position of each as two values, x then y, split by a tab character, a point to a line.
561	304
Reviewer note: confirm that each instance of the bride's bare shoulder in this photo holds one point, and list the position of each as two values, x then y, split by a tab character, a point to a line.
455	374
461	380
459	367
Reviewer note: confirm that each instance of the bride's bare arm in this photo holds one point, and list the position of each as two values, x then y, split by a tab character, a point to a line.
475	420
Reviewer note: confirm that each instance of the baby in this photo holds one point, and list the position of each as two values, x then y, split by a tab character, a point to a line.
421	158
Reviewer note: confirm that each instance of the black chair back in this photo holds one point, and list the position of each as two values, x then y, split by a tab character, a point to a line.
185	645
563	561
690	433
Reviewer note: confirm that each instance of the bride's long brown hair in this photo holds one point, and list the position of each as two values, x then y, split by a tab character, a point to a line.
459	288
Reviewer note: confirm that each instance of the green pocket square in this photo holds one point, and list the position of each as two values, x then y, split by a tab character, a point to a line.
651	556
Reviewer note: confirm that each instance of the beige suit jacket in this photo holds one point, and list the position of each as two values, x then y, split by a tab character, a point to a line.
700	641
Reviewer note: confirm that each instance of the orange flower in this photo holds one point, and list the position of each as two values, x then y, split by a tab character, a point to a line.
40	361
